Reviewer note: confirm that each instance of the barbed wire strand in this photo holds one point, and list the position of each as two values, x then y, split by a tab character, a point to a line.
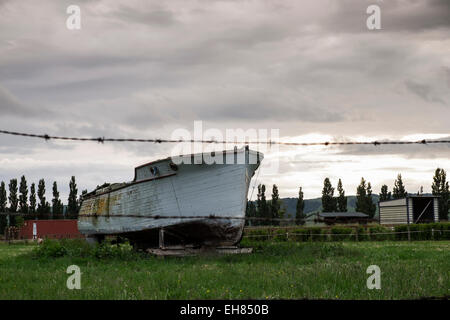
269	142
338	234
159	217
273	236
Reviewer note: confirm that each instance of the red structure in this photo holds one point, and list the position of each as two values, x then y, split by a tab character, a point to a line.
54	229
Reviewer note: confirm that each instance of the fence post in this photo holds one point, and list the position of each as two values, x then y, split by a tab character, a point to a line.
409	234
287	236
356	233
432	233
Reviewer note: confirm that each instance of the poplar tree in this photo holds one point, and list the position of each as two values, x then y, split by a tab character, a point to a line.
329	203
3	204
385	195
263	211
299	212
72	205
440	188
371	207
57	207
43	208
275	205
23	197
32	207
250	212
364	201
342	199
399	189
13	200
361	197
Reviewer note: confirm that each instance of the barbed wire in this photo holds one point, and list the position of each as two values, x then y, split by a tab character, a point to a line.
273	236
212	217
157	217
269	142
338	234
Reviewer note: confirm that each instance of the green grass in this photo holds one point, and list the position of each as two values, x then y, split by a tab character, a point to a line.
275	270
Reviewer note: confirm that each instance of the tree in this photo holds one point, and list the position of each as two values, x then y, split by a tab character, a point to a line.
80	198
371	207
72	206
361	197
342	199
385	195
250	212
275	205
57	206
13	201
23	197
329	203
440	188
3	204
32	207
364	201
399	189
299	212
263	210
43	208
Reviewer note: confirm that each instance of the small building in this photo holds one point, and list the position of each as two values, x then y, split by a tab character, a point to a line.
412	209
55	229
342	217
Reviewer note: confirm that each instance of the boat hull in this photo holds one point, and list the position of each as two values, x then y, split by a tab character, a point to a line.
198	203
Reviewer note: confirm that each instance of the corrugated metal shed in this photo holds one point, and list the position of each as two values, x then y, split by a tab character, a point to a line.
412	209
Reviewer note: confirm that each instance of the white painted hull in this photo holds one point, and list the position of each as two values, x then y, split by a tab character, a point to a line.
193	190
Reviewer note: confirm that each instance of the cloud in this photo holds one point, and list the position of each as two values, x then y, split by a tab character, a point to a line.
145	68
146	15
424	91
9	104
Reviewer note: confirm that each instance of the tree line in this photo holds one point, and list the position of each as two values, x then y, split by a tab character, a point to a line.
33	204
330	203
270	209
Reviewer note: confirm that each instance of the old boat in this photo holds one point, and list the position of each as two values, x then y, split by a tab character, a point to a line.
197	199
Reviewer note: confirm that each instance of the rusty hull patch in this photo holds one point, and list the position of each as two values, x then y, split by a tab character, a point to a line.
201	232
99	206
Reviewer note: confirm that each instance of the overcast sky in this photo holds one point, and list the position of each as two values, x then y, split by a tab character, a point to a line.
311	69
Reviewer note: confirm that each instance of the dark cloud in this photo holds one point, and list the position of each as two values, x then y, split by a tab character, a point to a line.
9	104
416	15
424	91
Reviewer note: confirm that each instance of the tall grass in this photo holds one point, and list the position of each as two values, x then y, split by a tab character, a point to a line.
276	270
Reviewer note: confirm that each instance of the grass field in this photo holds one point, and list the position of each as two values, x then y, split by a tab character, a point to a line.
274	271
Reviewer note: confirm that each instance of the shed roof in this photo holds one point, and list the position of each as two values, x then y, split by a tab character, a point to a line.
413	196
343	215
